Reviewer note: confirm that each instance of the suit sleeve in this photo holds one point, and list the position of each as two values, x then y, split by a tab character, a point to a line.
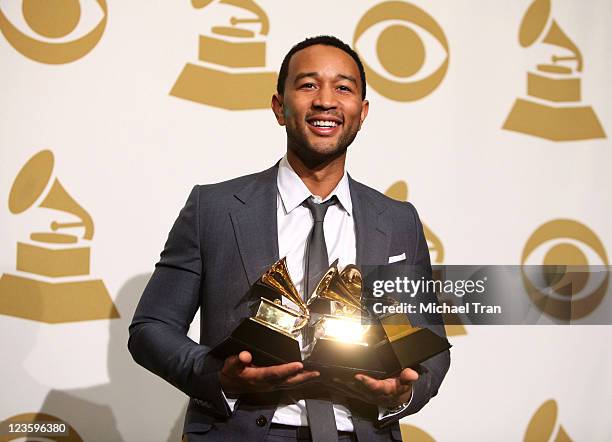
158	334
433	370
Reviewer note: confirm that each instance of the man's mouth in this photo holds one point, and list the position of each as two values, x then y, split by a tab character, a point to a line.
324	126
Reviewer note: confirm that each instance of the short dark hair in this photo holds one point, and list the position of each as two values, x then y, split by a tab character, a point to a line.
327	40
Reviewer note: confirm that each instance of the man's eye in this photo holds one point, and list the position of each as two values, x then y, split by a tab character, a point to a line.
307	86
344	88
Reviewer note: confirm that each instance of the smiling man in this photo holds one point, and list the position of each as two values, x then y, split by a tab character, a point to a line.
305	208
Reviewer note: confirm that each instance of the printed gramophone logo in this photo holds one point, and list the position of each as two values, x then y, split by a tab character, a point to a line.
55	429
52	283
42	29
410	56
553	108
230	72
399	191
566	290
543	425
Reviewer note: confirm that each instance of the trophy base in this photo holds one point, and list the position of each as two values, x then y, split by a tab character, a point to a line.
232	91
266	345
409	350
55	303
340	360
554	123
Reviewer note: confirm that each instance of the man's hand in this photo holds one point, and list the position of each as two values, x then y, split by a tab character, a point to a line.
388	393
238	375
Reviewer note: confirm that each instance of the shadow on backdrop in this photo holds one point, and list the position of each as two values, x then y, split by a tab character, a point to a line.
134	405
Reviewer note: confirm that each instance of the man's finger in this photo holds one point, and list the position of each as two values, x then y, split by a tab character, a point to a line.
369	382
408	376
300	378
233	366
245	357
278	373
400	387
385	387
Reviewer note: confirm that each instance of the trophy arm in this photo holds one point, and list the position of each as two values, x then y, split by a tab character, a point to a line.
304	319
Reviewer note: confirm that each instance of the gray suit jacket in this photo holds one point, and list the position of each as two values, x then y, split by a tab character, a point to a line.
223	240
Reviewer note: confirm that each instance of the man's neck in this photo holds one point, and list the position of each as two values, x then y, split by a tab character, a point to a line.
322	179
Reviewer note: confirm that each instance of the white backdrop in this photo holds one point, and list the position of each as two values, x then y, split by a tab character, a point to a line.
128	152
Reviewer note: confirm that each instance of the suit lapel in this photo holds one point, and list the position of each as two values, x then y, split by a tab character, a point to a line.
255	225
372	229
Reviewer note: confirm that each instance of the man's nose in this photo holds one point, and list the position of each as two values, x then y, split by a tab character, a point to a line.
325	99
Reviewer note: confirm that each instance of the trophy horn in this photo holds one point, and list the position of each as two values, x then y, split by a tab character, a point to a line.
277	279
341	287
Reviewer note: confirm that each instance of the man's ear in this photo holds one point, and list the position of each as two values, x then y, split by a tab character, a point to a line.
278	108
365	107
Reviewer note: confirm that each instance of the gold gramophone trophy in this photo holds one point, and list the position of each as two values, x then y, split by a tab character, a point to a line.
52	284
343	338
350	340
229	72
554	89
271	334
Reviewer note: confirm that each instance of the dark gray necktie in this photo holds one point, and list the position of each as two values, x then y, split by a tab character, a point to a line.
316	249
321	418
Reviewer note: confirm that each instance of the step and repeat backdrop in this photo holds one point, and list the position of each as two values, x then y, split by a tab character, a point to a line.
492	117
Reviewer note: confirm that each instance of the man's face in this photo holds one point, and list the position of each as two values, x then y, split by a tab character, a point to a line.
321	107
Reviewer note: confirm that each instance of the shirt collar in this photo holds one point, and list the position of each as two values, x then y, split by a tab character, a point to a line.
293	191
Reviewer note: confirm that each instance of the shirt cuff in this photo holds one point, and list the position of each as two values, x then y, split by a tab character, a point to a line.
385	413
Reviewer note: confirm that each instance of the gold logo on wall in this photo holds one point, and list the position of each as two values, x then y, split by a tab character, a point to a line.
543	423
229	74
560	295
51	426
399	191
554	89
38	292
53	20
401	51
410	433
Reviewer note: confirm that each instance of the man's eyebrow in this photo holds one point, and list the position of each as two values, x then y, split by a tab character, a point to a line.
301	75
348	77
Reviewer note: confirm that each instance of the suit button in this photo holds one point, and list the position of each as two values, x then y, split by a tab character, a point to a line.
261	421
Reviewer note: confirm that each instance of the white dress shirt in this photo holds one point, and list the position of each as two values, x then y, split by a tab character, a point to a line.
294	225
294	222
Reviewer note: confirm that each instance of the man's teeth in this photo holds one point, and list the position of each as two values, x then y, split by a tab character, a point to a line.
324	123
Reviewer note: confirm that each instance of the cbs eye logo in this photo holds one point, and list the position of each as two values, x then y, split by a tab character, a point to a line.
575	276
53	31
411	55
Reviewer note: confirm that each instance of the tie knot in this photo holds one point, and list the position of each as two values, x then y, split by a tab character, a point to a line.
319	210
